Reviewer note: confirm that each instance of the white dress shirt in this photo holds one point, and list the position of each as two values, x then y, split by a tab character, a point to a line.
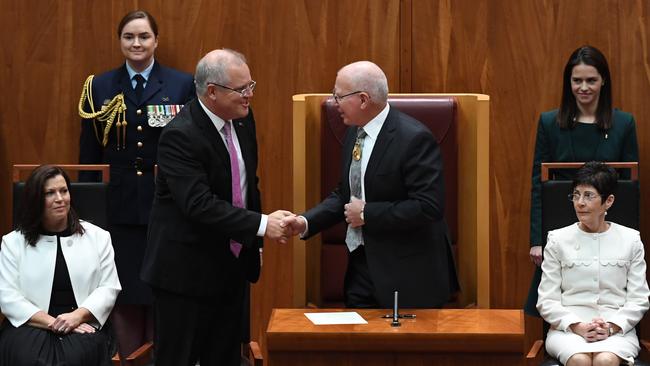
372	128
243	180
145	74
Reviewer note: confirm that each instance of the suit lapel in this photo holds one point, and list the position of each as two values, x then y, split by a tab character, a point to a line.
210	131
384	139
154	84
245	143
348	145
126	86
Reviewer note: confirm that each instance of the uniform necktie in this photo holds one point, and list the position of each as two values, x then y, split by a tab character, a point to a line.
139	86
237	200
354	236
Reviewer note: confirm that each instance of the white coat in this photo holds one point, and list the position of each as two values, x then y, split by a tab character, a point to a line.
27	273
590	275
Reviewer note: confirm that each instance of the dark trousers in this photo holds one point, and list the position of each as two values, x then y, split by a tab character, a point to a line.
358	287
129	243
205	329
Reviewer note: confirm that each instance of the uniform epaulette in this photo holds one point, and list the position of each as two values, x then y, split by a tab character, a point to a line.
106	116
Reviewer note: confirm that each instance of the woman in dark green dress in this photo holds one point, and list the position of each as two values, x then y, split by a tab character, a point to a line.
585	128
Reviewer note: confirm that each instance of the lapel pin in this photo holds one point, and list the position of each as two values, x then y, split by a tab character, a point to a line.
165	99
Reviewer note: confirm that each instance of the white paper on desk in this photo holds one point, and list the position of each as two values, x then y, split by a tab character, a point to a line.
350	317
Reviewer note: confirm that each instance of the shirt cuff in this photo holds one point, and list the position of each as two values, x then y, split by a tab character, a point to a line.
304	233
262	229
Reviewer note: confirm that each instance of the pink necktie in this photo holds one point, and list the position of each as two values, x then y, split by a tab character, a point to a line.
237	200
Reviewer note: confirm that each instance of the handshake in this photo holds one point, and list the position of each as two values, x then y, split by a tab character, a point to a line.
283	224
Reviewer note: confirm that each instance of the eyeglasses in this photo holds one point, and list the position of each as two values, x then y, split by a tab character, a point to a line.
337	98
587	196
246	89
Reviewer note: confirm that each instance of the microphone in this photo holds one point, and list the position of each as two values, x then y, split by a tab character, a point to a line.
395	322
396	315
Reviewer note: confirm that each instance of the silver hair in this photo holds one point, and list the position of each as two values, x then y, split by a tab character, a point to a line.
368	77
213	68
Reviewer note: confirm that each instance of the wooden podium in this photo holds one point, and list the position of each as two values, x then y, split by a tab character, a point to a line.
435	337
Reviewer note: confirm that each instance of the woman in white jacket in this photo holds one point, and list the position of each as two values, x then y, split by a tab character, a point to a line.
593	290
58	281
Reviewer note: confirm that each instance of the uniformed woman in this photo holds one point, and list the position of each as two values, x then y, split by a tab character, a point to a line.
123	112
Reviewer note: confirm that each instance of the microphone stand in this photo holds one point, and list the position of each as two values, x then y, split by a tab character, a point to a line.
396	316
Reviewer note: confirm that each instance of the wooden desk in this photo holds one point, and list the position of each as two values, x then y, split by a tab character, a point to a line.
435	337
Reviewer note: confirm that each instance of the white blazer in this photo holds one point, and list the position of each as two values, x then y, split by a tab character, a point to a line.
588	275
27	273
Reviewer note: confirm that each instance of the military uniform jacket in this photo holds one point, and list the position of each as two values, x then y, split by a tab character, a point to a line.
131	186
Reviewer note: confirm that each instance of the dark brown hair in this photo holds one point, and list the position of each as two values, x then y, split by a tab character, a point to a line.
137	14
30	222
587	55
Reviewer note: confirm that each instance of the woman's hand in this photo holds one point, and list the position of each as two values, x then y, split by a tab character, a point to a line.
604	327
536	255
588	331
84	328
68	322
65	323
595	331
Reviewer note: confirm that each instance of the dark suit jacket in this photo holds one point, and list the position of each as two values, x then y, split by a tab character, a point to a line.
405	236
192	218
130	195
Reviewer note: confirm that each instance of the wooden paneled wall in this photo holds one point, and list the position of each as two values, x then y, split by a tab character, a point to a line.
513	50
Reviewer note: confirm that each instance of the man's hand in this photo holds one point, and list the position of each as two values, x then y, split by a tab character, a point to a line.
274	229
536	255
294	225
353	212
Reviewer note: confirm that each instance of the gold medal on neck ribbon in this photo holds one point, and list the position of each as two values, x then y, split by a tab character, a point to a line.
356	152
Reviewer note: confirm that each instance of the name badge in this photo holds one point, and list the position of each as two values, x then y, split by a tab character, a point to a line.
159	115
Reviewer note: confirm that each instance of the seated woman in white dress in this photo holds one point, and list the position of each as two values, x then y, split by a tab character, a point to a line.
593	290
58	281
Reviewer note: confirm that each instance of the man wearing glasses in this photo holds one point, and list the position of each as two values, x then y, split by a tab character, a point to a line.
391	195
206	229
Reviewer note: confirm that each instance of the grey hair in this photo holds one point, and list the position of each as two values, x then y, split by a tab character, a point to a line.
368	77
213	68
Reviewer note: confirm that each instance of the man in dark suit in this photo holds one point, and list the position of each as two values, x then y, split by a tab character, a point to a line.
206	231
391	195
